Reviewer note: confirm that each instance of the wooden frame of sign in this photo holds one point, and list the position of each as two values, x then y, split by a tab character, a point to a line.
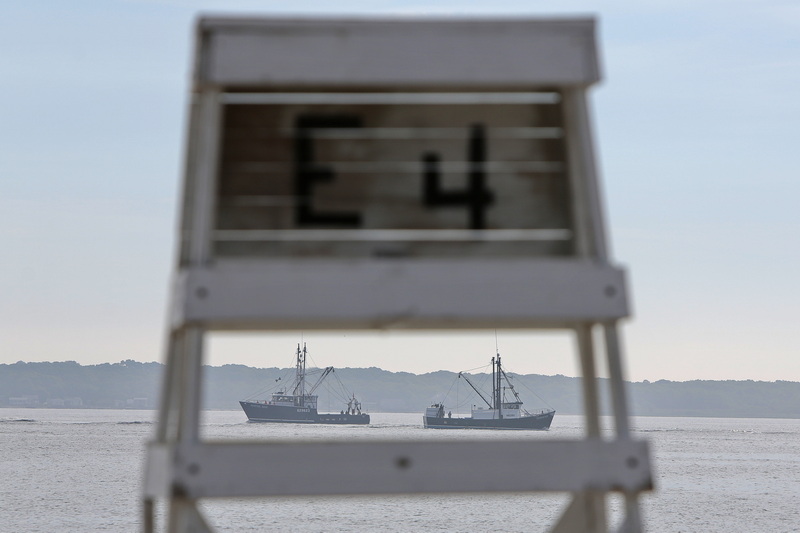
392	173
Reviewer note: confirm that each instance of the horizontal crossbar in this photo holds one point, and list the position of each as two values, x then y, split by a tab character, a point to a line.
396	293
209	470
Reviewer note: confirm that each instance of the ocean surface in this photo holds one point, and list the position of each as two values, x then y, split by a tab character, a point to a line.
80	470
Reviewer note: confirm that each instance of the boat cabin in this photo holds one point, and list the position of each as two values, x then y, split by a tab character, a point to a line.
435	411
510	410
288	400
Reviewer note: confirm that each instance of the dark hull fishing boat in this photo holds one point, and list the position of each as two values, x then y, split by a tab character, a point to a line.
296	405
500	414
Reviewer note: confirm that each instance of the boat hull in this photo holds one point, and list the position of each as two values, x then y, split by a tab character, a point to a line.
539	421
263	412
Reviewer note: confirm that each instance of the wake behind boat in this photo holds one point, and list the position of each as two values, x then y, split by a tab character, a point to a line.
500	414
297	406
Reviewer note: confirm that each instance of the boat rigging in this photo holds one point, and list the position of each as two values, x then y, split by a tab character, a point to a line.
301	405
499	413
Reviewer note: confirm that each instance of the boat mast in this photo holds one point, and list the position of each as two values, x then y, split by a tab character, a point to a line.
300	374
494	390
497	385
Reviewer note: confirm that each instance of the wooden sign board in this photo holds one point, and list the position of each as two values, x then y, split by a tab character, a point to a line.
387	174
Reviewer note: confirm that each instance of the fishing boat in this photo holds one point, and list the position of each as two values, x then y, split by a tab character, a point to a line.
500	413
296	405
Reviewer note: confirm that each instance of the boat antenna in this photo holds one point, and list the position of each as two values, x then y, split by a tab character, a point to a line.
496	384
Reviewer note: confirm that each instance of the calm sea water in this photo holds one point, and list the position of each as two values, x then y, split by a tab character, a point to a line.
80	470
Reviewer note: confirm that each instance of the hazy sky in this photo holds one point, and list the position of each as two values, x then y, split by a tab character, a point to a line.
698	133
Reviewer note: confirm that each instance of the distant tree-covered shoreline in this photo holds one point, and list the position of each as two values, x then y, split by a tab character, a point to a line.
131	384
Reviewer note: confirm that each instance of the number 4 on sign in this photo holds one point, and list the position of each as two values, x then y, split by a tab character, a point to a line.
476	197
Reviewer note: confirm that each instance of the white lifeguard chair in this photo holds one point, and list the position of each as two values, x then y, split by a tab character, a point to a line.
393	173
